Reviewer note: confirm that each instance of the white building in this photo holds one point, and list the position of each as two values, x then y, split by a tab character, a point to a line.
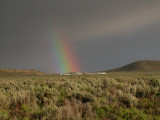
101	73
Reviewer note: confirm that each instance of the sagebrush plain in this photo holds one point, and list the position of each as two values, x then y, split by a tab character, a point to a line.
114	96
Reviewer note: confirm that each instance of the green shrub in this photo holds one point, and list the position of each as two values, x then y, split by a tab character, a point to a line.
140	93
60	101
25	118
25	108
147	105
132	114
4	115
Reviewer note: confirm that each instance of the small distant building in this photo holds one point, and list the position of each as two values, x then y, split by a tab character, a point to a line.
64	74
101	73
71	73
78	73
89	73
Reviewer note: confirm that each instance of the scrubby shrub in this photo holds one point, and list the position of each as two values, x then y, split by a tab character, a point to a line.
145	104
4	115
101	112
132	114
140	92
25	108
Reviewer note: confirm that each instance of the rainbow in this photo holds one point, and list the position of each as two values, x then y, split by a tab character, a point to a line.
64	56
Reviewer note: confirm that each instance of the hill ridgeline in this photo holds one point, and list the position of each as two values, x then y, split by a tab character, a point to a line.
20	72
139	66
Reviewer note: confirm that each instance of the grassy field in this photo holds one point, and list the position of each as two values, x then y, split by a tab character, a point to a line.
114	96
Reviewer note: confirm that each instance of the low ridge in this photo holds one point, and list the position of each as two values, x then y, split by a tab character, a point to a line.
20	72
139	66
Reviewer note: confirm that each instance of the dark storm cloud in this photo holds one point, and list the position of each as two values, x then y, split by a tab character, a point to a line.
104	33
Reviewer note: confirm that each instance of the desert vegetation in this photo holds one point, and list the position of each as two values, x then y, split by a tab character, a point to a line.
114	96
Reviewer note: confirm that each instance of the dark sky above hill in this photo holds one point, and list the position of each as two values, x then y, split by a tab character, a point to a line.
104	34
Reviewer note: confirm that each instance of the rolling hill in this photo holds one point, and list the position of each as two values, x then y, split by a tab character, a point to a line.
20	72
139	66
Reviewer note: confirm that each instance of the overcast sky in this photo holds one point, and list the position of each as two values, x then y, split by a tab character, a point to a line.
104	34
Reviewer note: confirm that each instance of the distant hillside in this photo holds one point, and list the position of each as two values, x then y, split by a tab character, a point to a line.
20	72
139	66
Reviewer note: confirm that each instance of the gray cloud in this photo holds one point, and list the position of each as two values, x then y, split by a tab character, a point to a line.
128	23
104	33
